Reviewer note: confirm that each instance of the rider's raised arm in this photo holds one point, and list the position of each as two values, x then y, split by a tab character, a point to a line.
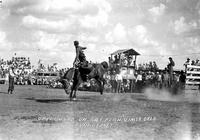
77	52
83	48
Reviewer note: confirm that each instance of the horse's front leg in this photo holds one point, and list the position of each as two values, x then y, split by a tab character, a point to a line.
71	93
75	87
73	90
74	96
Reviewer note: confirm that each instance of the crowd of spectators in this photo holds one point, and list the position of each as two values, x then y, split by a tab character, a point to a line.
4	68
49	68
22	67
151	66
120	60
26	74
191	62
142	80
146	75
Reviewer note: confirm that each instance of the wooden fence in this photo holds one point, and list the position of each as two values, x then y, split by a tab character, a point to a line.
192	77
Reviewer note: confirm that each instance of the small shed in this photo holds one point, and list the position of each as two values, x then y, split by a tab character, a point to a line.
128	53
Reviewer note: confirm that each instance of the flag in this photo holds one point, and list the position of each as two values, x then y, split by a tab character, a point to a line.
39	61
54	64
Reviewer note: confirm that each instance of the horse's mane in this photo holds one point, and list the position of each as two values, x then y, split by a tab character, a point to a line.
94	64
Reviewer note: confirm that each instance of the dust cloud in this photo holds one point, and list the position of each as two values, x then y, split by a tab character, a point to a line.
191	96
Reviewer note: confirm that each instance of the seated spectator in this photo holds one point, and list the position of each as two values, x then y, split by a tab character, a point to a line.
187	63
197	62
193	62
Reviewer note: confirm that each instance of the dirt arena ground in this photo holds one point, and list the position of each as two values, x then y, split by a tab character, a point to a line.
39	113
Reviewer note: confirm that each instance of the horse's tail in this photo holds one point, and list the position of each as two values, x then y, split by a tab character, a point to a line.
104	64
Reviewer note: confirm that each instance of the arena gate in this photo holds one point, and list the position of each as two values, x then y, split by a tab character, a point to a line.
192	77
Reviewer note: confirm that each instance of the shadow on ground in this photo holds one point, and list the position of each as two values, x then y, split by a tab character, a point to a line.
57	100
48	100
3	92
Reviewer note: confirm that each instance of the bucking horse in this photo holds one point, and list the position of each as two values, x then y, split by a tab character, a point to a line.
74	77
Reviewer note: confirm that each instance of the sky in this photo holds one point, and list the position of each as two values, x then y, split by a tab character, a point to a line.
46	29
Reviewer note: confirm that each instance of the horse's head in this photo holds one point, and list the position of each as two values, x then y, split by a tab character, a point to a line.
66	79
66	85
104	64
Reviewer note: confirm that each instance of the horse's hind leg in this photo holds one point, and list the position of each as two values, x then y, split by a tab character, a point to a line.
71	93
72	89
100	83
75	89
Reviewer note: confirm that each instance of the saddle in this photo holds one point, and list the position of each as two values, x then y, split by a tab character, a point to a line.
85	69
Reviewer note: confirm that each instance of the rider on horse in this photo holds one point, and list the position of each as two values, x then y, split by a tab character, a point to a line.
80	60
80	56
83	71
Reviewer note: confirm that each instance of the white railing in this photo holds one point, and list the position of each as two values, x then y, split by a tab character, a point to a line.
193	75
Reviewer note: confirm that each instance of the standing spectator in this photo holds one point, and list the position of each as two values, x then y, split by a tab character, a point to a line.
193	62
126	85
110	61
150	66
170	68
182	80
197	62
11	80
113	82
29	63
116	59
132	83
119	80
155	67
159	80
6	78
166	79
139	81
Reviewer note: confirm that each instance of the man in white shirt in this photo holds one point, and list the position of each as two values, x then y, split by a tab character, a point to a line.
11	79
139	82
119	80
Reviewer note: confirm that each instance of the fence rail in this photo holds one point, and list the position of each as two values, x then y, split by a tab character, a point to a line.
2	79
193	76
